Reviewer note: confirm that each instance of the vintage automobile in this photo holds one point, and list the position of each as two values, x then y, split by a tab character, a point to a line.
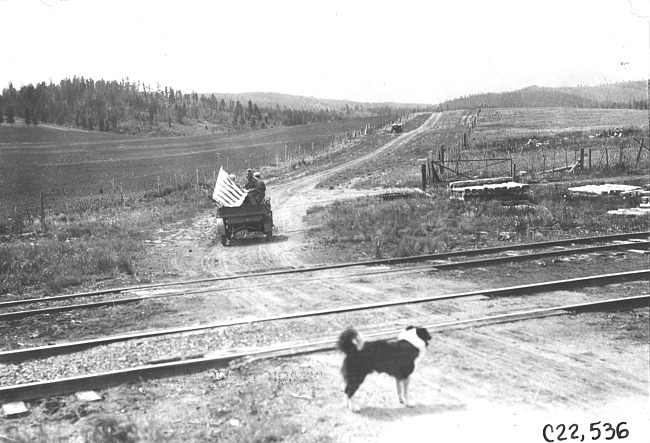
232	222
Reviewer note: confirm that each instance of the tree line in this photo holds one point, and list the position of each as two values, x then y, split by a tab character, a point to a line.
124	106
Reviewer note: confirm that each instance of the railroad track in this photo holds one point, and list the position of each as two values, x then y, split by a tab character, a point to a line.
63	386
120	296
19	355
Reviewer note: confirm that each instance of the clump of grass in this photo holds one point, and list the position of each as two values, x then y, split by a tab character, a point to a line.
96	245
58	264
103	428
108	429
402	227
425	225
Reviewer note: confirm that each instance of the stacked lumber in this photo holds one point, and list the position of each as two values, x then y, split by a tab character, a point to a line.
607	189
479	182
497	191
630	212
645	201
643	209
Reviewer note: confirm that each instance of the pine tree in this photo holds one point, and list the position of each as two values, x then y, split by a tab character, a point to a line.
10	115
249	110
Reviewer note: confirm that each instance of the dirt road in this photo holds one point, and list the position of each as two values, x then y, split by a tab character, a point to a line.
290	202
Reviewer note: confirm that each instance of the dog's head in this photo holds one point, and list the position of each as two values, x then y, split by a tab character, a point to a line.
350	341
422	334
358	341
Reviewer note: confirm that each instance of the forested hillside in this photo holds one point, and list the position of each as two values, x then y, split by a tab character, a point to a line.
299	102
130	107
632	94
627	95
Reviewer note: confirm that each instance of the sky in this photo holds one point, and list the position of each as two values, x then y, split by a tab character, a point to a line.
407	51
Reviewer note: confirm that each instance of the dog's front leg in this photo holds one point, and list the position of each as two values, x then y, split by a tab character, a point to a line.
406	393
351	405
398	383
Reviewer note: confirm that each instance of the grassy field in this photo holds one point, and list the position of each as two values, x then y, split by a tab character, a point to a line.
504	133
561	133
402	168
432	224
374	228
76	170
99	245
104	194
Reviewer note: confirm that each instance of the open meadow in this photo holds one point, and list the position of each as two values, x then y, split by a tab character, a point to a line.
104	194
107	192
76	170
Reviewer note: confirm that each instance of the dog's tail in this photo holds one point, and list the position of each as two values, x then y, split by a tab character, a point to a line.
350	341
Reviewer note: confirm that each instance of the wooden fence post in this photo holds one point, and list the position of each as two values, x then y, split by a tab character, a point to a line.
424	177
42	211
641	145
553	167
582	158
434	174
589	159
620	155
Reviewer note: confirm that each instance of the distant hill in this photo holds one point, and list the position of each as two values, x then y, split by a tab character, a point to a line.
631	95
298	102
615	92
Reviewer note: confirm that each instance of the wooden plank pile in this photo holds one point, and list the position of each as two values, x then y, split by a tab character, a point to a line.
479	182
503	189
630	212
607	189
641	210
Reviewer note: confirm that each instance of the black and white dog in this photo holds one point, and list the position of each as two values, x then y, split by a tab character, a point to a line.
395	358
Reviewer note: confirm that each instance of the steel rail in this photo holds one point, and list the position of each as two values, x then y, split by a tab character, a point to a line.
388	261
34	390
18	355
535	255
439	266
